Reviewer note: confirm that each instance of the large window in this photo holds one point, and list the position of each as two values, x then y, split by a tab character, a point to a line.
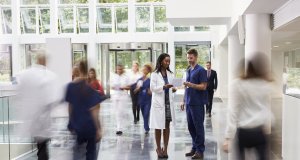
5	63
35	16
121	19
73	16
291	72
149	1
6	20
142	19
113	1
180	56
160	19
104	19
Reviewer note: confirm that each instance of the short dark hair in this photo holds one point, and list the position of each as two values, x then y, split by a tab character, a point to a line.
193	51
208	62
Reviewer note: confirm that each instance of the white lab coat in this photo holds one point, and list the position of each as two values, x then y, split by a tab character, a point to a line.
157	111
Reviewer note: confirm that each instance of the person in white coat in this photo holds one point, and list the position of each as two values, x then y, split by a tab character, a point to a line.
120	83
162	106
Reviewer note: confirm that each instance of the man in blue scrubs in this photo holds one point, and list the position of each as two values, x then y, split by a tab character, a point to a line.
194	99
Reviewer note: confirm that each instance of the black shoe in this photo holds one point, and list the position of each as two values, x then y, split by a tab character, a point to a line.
191	153
147	133
119	133
197	156
135	122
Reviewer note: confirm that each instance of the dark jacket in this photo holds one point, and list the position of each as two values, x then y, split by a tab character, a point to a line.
212	81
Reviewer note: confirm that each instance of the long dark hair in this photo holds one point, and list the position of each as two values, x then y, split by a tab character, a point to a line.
160	58
257	67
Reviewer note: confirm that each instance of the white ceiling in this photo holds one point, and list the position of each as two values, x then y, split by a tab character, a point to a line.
265	6
287	37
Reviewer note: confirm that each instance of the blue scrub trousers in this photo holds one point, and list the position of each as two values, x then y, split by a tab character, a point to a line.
195	119
146	113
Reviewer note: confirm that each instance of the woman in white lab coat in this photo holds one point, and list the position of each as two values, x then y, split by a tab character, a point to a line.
162	106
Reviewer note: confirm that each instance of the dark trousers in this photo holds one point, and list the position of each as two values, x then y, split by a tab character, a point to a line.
210	101
135	106
85	147
195	119
252	138
146	113
42	146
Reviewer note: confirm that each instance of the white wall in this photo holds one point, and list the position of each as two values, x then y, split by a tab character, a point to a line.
291	128
277	71
221	58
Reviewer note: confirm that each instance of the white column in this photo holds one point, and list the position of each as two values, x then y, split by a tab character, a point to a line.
54	17
236	54
16	55
258	39
258	34
92	54
131	16
171	46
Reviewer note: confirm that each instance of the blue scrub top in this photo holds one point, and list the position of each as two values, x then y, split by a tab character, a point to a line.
82	98
194	97
144	97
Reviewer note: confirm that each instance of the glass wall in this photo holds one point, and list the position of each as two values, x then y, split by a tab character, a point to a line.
291	72
142	19
35	16
5	63
31	52
5	17
180	56
191	28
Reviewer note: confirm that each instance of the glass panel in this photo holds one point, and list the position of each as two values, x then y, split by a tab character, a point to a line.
79	53
28	20
142	57
66	20
31	52
181	29
202	28
142	19
5	63
104	20
83	20
113	1
30	2
6	21
122	19
44	20
160	19
72	1
5	2
291	73
181	61
150	0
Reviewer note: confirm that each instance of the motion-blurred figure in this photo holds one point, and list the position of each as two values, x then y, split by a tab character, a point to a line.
37	95
120	84
83	114
93	82
144	93
249	112
134	76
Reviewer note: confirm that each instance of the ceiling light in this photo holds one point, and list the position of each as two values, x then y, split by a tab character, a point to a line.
288	42
275	46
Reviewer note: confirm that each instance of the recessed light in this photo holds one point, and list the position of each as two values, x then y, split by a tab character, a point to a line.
275	46
288	42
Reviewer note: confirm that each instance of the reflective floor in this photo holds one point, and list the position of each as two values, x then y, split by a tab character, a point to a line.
135	145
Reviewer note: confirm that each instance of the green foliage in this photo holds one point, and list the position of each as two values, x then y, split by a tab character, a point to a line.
142	18
149	0
202	28
5	2
105	15
122	19
293	78
73	1
160	18
113	1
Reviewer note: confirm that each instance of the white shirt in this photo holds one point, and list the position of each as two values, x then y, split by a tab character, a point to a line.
37	95
134	77
117	82
249	106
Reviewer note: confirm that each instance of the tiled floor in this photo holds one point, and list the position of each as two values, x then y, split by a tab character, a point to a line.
135	145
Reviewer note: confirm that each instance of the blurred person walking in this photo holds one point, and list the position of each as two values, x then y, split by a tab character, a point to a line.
83	114
145	95
37	95
195	97
134	76
212	85
249	113
120	84
162	105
